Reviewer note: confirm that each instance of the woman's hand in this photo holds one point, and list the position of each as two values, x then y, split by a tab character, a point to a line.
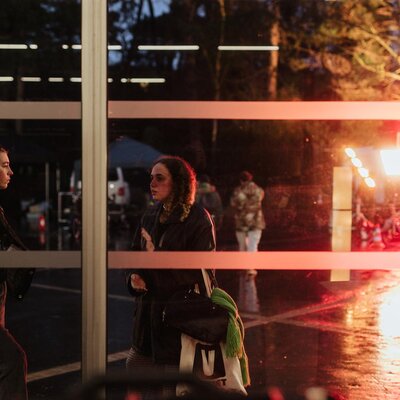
138	283
149	243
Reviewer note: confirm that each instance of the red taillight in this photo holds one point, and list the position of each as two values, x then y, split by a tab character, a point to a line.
121	191
42	223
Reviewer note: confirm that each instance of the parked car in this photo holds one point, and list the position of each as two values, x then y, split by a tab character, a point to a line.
119	197
118	188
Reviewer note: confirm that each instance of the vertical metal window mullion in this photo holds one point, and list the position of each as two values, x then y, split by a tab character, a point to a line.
94	187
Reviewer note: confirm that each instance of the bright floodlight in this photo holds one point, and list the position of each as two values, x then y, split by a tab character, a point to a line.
356	162
363	172
350	152
391	161
370	182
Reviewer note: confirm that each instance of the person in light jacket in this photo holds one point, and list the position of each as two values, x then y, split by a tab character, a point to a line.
249	219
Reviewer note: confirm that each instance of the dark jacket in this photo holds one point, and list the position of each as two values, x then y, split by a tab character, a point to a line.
18	279
151	336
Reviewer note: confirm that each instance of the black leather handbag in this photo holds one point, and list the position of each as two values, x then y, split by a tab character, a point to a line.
197	316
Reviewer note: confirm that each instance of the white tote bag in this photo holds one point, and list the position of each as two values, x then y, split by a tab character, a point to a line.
209	361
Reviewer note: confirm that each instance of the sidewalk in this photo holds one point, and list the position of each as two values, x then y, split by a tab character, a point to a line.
348	341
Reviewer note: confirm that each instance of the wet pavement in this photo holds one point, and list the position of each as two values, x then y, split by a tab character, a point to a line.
301	330
348	341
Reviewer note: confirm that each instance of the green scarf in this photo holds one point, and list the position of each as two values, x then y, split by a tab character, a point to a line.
235	332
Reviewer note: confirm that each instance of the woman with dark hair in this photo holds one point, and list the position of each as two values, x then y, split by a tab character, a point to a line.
13	362
174	223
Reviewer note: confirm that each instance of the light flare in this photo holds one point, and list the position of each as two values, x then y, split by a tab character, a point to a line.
364	172
370	182
391	161
356	162
350	152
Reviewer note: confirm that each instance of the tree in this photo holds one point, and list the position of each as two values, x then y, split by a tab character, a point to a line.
358	45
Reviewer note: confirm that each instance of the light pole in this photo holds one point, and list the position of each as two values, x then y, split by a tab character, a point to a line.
342	195
341	216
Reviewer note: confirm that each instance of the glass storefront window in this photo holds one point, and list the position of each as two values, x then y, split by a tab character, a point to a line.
41	127
253	50
270	87
40	55
292	161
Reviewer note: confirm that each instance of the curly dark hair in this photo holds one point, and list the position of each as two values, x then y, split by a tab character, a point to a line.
183	183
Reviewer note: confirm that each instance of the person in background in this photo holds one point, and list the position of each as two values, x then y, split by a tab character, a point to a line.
174	223
249	218
208	197
13	362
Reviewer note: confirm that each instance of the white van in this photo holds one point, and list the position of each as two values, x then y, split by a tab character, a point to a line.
118	188
119	196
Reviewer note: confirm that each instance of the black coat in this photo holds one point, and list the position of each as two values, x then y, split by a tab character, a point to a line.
151	336
18	279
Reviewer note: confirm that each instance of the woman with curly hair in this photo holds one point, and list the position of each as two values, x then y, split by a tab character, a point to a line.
174	223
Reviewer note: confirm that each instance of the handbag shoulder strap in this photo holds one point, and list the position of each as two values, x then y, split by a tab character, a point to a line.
209	280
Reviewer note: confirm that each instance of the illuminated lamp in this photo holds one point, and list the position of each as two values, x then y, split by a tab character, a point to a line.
370	182
42	223
391	161
363	172
350	152
356	162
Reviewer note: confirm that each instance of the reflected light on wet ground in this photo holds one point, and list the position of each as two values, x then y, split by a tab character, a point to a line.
369	364
389	324
347	341
389	328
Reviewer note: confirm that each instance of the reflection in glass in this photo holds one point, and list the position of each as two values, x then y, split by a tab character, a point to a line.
248	299
37	64
292	161
255	50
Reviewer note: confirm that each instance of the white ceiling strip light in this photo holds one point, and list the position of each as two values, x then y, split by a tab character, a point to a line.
248	48
114	47
13	46
143	80
56	79
31	79
169	47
